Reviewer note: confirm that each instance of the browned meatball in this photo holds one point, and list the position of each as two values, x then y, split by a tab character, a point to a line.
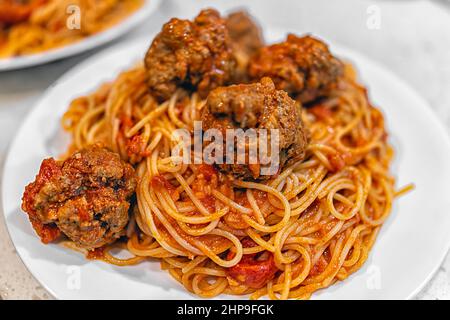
302	66
258	106
245	34
85	197
195	55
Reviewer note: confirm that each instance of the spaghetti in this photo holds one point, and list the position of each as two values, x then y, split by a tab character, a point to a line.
310	226
42	25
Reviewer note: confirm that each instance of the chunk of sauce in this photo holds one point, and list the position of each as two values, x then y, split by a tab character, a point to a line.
321	264
47	232
96	254
137	146
321	112
251	271
160	183
339	160
83	214
208	171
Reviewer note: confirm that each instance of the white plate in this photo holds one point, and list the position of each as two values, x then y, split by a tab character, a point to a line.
409	249
89	43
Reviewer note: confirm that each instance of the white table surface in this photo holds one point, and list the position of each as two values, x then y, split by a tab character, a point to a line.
413	40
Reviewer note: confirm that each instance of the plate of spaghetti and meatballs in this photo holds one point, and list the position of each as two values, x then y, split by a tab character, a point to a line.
33	32
213	159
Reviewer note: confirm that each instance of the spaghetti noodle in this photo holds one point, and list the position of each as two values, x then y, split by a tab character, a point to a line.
310	226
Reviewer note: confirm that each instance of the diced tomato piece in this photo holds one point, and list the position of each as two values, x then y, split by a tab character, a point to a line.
251	271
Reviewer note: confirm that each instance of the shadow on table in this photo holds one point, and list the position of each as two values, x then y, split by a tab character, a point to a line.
35	78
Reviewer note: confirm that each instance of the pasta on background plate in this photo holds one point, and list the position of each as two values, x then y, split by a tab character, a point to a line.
34	26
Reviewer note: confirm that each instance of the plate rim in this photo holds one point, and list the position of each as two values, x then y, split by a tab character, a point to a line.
87	44
424	106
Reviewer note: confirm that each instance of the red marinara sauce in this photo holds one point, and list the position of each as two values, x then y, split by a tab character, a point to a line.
251	271
48	170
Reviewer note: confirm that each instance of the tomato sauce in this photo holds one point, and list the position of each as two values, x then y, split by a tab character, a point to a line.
321	112
209	202
137	146
208	171
96	254
47	232
251	271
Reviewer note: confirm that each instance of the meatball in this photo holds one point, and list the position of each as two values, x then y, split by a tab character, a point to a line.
85	197
194	55
302	66
256	106
246	37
